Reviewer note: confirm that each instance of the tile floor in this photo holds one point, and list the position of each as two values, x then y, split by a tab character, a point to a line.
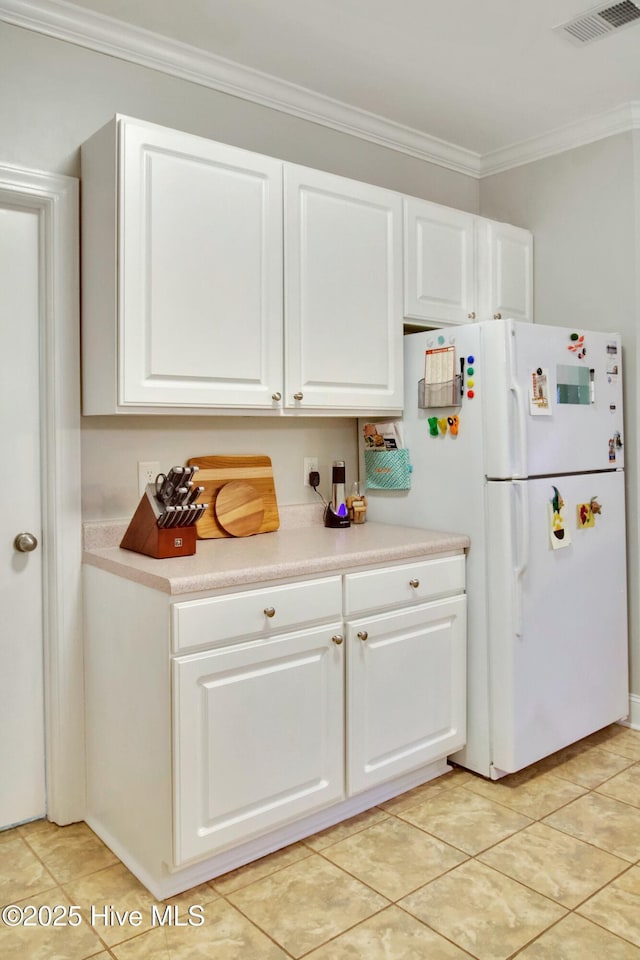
543	865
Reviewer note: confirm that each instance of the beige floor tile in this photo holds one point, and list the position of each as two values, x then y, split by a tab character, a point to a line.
617	907
554	864
482	911
577	939
534	795
21	873
609	824
465	820
304	905
225	935
203	893
251	872
621	740
110	890
404	801
591	767
341	830
390	935
44	941
394	857
69	852
625	786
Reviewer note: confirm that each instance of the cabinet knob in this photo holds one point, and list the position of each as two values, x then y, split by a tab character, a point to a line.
298	396
497	316
363	635
414	583
276	396
337	639
25	542
269	611
472	315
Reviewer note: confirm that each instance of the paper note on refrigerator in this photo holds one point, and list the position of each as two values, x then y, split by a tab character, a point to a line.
439	365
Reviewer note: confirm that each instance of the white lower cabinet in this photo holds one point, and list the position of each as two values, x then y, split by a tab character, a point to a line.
258	737
225	727
406	690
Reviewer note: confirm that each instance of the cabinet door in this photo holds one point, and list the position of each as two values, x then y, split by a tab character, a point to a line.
200	271
406	690
505	276
343	293
438	263
258	738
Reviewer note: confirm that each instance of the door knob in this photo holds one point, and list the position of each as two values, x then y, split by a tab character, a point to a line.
337	639
363	635
414	583
298	396
25	542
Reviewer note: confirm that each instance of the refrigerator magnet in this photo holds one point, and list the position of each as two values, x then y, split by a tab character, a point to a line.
539	402
433	426
584	516
558	530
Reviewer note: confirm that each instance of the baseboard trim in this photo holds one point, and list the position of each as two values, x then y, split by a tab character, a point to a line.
633	720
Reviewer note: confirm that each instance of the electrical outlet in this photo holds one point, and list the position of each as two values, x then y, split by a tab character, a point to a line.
310	463
148	470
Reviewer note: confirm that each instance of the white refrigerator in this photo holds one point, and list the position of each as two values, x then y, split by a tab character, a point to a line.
526	456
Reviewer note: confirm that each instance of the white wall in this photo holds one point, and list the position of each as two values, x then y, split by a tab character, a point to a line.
584	209
53	96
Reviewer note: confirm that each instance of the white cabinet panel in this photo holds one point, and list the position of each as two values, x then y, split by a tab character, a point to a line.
406	690
258	737
198	271
505	258
266	611
418	581
343	293
439	265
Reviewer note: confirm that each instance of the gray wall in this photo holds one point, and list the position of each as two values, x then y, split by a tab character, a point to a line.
584	209
53	96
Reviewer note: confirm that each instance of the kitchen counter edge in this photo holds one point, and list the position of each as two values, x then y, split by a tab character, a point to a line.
281	555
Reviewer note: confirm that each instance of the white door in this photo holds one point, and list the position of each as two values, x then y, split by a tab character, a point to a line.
343	293
579	427
200	271
22	783
505	271
557	617
406	690
439	263
258	737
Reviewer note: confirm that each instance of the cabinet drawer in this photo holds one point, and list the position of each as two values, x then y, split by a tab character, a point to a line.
220	619
409	583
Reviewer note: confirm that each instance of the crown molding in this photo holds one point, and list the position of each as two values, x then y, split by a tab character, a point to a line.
64	21
620	120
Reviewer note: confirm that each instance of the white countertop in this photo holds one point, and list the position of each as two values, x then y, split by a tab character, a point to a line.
285	553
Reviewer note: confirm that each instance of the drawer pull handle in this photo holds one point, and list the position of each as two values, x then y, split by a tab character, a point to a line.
363	635
298	395
269	611
337	639
276	396
414	583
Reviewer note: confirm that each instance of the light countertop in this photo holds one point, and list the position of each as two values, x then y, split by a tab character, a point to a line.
291	551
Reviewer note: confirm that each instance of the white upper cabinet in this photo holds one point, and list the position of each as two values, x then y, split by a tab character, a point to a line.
505	271
439	267
182	272
459	267
343	293
183	287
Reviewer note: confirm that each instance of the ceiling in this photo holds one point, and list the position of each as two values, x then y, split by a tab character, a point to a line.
482	75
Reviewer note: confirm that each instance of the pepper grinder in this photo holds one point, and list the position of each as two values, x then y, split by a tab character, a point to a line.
337	514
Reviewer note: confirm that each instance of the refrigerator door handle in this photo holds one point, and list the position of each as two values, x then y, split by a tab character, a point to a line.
521	506
521	420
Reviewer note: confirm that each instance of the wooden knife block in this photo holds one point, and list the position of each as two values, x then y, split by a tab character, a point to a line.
143	535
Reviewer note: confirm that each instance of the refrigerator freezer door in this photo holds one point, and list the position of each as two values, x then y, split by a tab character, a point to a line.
557	613
551	404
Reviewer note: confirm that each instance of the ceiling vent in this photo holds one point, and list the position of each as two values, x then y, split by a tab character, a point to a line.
599	22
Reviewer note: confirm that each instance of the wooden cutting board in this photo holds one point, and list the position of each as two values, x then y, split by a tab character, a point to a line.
239	508
216	471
